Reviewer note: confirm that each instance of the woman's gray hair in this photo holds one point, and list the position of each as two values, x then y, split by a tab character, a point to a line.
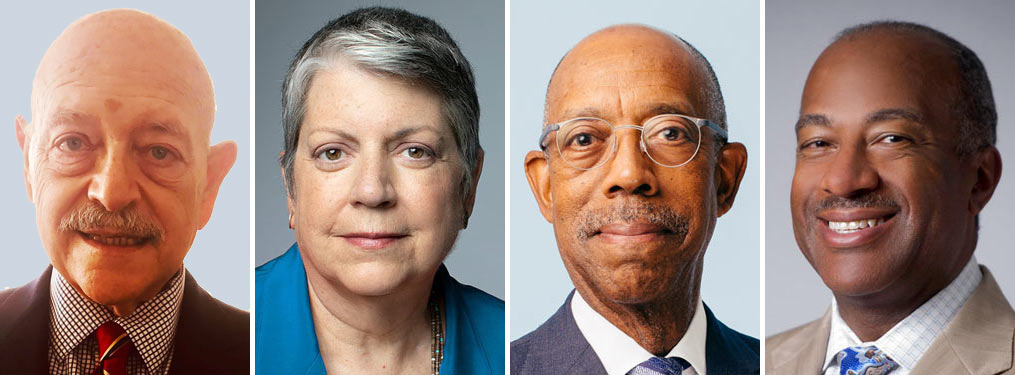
391	42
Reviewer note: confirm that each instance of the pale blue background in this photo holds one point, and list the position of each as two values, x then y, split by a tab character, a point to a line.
220	30
727	33
478	29
795	34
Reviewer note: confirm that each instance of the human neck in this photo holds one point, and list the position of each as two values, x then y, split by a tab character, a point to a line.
371	334
657	325
871	316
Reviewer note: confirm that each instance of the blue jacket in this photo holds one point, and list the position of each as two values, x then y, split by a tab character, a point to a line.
286	342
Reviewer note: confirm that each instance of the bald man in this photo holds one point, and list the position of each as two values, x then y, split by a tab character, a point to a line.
120	170
633	171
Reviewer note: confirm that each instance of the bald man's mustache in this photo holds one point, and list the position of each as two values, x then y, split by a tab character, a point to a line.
590	221
130	222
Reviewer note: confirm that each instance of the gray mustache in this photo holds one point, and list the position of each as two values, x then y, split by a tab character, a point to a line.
590	221
130	221
870	200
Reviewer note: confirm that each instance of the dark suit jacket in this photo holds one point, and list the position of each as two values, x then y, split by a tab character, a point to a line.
211	337
558	347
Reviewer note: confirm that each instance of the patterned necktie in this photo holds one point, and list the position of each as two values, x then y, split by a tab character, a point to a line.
865	360
661	366
114	347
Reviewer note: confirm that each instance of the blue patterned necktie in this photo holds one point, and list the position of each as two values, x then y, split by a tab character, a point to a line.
661	366
865	360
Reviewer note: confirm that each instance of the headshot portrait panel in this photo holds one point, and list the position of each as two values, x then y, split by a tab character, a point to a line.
219	256
725	34
477	27
794	292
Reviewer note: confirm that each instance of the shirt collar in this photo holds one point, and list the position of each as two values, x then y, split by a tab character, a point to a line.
906	342
151	327
619	353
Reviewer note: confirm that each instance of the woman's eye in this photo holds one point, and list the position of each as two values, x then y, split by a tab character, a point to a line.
416	152
331	154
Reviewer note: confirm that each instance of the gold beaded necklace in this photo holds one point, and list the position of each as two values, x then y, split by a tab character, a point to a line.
437	331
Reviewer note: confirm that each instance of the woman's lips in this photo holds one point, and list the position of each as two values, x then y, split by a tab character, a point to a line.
372	241
625	233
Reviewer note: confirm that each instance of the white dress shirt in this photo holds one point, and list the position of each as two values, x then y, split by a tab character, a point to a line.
906	342
619	353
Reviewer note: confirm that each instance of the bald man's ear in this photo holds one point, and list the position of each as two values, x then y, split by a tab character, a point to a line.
470	198
24	141
220	160
730	167
537	170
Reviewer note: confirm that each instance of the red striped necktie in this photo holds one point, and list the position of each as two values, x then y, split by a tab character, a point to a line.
114	347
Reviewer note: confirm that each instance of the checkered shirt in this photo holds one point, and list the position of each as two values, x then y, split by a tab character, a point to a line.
906	342
73	348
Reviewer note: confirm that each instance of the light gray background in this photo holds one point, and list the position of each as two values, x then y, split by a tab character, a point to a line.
220	30
795	34
478	27
726	32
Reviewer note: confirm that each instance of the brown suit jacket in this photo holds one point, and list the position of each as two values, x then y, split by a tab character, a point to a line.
980	340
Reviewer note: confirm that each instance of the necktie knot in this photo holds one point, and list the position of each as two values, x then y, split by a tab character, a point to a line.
114	347
661	366
865	360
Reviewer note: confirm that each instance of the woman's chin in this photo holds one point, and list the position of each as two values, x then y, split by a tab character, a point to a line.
376	280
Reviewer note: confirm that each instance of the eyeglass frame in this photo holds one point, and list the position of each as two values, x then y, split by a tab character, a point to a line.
700	122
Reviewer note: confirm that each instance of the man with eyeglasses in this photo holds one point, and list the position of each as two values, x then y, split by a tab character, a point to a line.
633	171
895	159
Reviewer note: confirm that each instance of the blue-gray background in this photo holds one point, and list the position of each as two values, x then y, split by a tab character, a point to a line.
727	33
478	27
220	30
795	34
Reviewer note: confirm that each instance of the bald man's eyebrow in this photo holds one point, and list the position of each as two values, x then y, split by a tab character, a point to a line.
811	119
72	117
669	108
582	112
889	114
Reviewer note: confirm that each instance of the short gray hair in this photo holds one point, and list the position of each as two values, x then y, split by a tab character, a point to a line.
391	42
972	101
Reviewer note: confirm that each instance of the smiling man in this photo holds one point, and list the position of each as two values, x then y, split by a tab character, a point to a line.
118	164
895	159
633	173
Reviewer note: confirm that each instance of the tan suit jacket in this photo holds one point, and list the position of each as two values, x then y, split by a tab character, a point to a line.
980	340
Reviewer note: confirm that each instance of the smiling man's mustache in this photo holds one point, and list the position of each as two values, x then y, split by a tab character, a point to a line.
589	221
869	200
129	221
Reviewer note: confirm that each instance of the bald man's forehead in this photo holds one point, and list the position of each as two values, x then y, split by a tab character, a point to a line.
129	53
624	57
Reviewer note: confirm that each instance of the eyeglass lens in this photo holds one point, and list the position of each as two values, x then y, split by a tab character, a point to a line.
586	143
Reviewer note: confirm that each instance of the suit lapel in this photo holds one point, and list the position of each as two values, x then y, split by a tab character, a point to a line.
804	352
208	338
725	353
24	329
978	340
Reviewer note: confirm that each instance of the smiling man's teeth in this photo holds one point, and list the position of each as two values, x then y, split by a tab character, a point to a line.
853	226
114	240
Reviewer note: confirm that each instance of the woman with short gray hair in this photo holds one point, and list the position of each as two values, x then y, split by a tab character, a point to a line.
381	160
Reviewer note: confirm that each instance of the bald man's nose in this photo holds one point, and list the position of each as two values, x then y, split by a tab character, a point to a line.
630	171
850	174
114	186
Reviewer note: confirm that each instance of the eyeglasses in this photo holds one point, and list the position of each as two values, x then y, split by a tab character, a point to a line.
670	140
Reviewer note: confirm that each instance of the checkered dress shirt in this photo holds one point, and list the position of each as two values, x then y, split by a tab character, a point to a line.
73	349
906	342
